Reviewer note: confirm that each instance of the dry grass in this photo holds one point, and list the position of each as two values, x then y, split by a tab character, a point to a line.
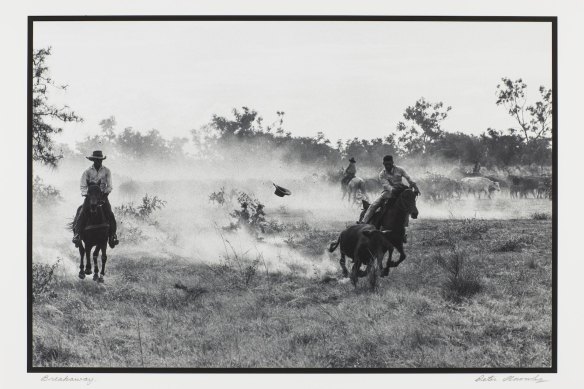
173	313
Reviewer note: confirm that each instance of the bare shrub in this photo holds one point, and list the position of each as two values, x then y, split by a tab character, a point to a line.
42	278
143	211
131	218
220	197
462	281
237	268
43	194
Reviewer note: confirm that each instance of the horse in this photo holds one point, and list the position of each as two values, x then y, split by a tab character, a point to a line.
95	234
393	217
352	187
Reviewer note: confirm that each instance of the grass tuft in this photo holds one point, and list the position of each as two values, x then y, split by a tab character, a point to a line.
541	216
462	280
515	244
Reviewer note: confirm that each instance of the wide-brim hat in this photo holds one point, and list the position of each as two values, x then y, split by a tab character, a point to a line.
97	154
281	192
352	160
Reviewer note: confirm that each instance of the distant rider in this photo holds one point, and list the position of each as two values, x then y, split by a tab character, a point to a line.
96	173
390	178
350	172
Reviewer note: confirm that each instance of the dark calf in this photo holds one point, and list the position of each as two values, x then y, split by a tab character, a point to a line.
364	244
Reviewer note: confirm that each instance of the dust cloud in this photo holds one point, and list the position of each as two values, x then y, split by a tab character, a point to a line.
190	226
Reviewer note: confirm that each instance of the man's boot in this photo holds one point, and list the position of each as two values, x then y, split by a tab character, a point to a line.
113	240
76	239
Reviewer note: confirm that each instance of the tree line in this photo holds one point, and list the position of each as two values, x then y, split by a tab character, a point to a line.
419	135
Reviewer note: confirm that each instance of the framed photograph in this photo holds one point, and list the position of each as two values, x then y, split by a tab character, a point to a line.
294	194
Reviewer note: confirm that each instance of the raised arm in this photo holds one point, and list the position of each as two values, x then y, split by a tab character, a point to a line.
410	181
407	177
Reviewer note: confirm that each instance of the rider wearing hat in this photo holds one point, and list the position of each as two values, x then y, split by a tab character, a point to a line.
96	173
390	178
350	172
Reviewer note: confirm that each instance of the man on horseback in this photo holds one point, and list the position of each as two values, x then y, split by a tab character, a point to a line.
350	172
94	174
391	180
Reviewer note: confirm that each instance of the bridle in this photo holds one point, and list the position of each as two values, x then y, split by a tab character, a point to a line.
402	206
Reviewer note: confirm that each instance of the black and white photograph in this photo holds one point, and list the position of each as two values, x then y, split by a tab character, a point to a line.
343	194
308	194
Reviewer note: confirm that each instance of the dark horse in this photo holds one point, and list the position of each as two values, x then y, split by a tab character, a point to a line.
95	233
393	216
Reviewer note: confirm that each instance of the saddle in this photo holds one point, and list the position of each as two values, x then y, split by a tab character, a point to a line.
385	205
88	225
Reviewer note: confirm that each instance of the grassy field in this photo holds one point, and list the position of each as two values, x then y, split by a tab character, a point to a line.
472	293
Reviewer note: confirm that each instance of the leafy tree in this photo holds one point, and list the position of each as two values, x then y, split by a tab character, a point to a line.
245	124
502	149
107	126
136	145
422	126
370	152
44	115
458	146
534	120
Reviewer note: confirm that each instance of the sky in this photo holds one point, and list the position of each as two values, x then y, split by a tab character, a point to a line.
346	79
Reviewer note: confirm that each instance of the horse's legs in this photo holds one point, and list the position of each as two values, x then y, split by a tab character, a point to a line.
88	259
402	255
385	271
343	266
95	267
81	255
103	261
380	263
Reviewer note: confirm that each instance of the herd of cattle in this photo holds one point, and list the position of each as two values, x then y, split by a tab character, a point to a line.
440	187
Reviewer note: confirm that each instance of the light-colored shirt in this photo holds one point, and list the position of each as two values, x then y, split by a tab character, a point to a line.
103	175
390	179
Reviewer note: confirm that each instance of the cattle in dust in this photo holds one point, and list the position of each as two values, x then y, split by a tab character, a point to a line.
361	188
438	187
530	186
372	186
365	245
479	186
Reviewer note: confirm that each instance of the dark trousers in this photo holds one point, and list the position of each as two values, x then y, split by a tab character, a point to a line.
107	211
346	179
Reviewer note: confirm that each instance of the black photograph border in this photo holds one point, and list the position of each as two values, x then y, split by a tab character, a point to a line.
316	18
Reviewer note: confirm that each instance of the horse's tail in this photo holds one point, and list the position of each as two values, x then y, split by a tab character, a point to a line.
71	225
333	246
